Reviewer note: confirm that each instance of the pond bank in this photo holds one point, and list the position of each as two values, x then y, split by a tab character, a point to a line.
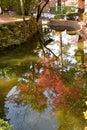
12	30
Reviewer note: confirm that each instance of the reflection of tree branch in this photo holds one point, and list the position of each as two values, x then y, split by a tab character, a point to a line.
42	48
51	52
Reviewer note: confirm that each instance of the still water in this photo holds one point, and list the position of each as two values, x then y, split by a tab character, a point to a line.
45	89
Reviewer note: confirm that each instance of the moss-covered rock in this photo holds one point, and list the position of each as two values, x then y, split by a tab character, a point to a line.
13	33
59	16
71	15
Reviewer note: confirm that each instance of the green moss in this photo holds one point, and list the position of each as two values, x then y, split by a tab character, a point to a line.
59	16
71	15
32	24
13	33
72	32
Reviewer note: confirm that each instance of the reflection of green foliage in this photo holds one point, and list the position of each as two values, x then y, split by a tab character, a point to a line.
68	121
83	87
21	63
74	92
69	76
4	125
37	107
19	60
7	82
75	97
5	86
13	70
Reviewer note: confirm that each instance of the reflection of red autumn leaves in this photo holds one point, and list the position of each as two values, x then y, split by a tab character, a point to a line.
47	62
34	89
73	92
50	79
65	95
32	93
24	87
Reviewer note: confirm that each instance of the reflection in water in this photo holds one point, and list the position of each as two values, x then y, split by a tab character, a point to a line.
51	90
23	117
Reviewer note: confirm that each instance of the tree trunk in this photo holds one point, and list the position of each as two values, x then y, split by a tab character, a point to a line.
40	9
23	15
59	2
81	7
1	6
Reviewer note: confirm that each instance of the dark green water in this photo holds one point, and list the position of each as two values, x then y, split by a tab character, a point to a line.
45	89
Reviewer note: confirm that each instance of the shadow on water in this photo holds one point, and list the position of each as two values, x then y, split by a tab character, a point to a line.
45	88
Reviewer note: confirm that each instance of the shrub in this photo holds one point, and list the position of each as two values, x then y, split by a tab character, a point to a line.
62	9
4	125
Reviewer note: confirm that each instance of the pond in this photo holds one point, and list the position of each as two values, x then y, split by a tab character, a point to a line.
45	88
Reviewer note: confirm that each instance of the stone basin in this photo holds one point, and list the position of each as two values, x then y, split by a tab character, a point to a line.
64	24
69	25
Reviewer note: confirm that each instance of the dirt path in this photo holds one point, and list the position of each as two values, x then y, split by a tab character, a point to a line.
7	19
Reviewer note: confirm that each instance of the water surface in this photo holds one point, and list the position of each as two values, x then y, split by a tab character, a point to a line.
45	87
